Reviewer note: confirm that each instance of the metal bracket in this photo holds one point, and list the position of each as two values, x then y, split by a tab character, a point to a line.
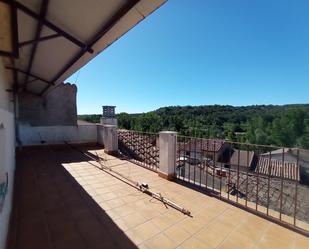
44	38
30	74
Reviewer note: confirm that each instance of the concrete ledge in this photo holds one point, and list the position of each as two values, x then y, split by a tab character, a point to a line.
169	177
111	152
62	145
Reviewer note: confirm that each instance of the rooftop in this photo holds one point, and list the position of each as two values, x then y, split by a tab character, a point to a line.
242	157
205	145
66	201
275	167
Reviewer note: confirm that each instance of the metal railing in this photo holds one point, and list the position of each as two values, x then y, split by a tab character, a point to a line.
267	180
140	147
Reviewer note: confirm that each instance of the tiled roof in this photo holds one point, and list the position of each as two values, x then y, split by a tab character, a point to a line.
198	145
302	153
242	157
273	167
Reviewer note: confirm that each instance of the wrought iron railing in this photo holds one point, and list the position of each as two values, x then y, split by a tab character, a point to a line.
140	147
267	180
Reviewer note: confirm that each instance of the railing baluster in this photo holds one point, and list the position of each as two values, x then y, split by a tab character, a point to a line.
201	160
214	165
143	145
145	139
268	183
281	189
130	141
194	161
229	174
207	162
257	182
296	188
184	158
189	161
220	176
247	175
237	179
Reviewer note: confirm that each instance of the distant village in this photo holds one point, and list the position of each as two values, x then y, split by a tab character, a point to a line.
286	163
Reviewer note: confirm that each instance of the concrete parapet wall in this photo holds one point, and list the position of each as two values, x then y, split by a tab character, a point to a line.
100	134
36	135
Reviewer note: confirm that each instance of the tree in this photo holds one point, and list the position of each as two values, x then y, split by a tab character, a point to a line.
260	136
149	122
303	140
177	123
287	128
260	124
256	131
124	121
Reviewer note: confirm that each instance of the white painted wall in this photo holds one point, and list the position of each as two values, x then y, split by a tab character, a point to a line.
109	121
33	135
7	151
168	151
100	134
110	139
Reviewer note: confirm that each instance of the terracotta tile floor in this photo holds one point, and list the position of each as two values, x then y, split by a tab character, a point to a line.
63	200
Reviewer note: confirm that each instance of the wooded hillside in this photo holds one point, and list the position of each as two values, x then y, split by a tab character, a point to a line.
286	125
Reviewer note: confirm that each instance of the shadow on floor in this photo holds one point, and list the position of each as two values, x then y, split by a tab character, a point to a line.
51	210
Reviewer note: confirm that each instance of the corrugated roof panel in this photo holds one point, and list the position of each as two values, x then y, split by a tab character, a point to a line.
82	20
73	17
56	53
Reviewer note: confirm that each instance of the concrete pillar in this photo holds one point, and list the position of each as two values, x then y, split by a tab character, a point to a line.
167	151
108	121
110	139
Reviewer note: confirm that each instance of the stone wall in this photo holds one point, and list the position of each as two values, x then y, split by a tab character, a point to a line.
58	107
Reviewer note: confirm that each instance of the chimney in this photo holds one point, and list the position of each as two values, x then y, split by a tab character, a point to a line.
109	116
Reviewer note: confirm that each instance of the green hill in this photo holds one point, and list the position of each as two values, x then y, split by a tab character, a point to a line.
286	125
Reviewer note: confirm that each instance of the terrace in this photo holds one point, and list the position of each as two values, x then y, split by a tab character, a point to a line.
70	185
63	199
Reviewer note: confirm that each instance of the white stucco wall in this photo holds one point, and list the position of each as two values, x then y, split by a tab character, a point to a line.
168	151
110	139
100	134
7	152
33	135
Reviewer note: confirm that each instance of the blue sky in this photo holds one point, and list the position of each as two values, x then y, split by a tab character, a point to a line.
203	52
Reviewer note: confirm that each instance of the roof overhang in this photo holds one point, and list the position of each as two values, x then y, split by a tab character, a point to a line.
56	38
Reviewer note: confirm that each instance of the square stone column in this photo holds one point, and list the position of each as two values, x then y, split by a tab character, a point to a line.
110	139
108	121
167	152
